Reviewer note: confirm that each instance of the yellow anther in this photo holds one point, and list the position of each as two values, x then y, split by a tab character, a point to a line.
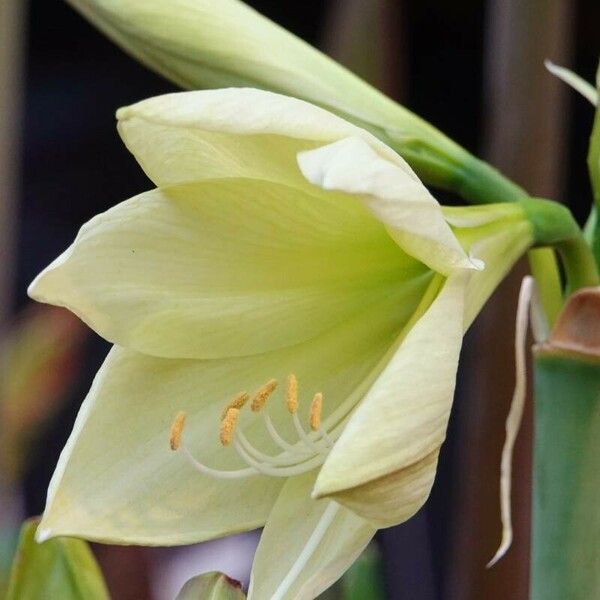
263	395
316	406
228	425
292	394
177	431
238	402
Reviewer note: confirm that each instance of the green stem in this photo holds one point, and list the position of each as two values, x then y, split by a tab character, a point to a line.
554	225
458	171
579	262
565	562
543	268
486	184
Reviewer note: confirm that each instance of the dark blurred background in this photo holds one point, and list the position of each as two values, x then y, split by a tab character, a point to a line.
475	70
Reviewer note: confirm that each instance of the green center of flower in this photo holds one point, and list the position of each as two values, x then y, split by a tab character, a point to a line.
307	452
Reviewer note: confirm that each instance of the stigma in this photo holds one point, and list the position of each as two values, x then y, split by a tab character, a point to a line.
293	457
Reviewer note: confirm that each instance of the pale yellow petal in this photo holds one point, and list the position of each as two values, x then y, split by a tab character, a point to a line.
235	132
228	267
499	248
483	214
118	480
422	393
394	195
393	498
403	418
319	536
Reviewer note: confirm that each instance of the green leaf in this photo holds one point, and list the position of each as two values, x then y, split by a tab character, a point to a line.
61	568
211	586
364	579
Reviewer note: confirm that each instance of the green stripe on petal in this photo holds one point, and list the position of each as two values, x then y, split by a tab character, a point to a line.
320	536
403	418
228	267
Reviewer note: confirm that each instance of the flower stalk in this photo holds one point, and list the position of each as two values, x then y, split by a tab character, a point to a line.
554	227
566	523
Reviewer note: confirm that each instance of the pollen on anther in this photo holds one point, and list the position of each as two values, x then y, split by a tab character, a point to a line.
177	431
237	402
292	394
263	395
228	424
316	406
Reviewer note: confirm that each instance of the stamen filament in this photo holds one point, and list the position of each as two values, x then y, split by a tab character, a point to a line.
305	437
283	444
312	544
283	459
217	473
297	469
325	436
304	454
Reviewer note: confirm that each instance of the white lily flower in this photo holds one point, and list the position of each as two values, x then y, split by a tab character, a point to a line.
282	243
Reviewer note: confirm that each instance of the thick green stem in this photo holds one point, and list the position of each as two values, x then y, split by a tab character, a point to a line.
579	262
566	520
554	226
543	268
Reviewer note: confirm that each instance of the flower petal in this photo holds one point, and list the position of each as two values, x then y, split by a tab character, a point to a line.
318	535
499	250
393	498
117	480
402	420
235	132
228	267
394	195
